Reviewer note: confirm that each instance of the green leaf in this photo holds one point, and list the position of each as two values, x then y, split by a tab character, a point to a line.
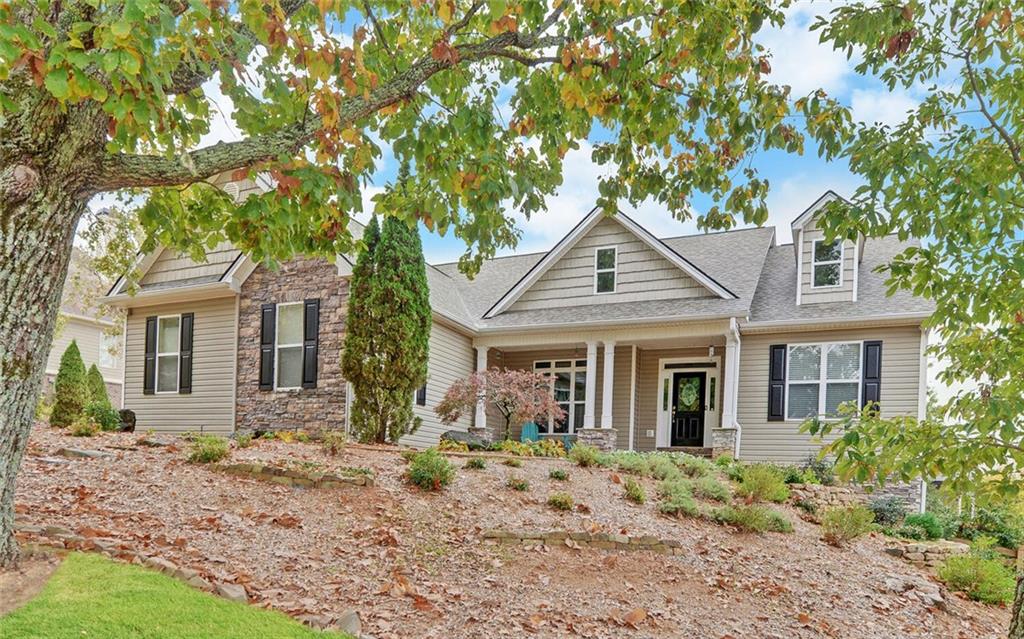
56	82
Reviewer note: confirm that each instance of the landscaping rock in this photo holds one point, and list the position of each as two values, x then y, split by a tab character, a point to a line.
472	441
54	461
233	592
83	453
914	587
349	622
160	564
127	420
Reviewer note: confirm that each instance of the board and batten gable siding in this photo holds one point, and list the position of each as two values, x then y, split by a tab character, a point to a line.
173	265
210	405
451	357
642	274
89	337
811	295
782	441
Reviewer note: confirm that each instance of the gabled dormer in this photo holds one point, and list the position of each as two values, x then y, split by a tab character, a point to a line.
827	270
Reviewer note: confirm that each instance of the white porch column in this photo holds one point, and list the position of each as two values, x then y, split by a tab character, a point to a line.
732	367
480	418
607	384
588	406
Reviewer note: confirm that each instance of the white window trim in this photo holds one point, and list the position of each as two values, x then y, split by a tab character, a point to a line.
114	359
278	346
815	263
823	380
574	403
177	353
614	270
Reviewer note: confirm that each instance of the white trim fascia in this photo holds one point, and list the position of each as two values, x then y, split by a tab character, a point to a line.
614	269
108	380
195	292
632	399
809	213
86	318
239	271
143	262
572	326
814	262
799	266
234	368
922	379
826	323
124	358
608	384
856	266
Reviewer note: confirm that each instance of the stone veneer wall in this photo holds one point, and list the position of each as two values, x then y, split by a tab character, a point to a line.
312	409
828	496
600	438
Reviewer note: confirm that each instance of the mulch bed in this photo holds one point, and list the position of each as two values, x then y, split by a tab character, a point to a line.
415	564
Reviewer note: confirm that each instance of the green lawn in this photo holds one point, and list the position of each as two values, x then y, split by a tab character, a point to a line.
91	596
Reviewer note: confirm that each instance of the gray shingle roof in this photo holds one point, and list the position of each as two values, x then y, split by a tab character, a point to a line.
775	299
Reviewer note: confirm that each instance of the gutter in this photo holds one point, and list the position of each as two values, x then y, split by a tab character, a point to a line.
178	293
901	318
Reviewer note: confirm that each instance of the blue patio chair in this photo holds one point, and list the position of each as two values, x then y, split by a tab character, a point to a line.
568	441
530	433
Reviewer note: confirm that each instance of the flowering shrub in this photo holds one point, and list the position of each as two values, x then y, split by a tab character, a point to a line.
520	396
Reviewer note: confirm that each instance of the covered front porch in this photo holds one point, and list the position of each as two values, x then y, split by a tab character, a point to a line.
668	387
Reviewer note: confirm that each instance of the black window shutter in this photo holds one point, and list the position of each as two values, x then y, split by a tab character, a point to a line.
777	383
310	342
185	352
421	395
149	367
268	320
872	374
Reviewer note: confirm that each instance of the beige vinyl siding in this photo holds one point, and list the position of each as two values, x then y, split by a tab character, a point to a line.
174	266
88	335
762	440
842	293
648	372
210	406
451	358
642	274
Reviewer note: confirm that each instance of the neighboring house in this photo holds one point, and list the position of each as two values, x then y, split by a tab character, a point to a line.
98	336
724	341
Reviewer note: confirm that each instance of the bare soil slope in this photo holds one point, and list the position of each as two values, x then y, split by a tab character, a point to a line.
413	564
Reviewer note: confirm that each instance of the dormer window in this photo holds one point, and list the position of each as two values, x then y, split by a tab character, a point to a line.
827	267
605	263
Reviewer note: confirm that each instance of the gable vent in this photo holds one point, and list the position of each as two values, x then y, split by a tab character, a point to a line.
231	188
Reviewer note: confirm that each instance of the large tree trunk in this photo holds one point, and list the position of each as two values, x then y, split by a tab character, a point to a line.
1017	614
35	247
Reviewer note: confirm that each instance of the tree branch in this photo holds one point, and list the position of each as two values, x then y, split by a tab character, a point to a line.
122	171
1008	140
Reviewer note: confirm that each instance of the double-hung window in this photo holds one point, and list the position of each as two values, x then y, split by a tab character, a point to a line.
288	346
827	263
820	377
109	345
605	266
168	357
569	390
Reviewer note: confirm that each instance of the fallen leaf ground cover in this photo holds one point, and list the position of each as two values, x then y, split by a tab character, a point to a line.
413	562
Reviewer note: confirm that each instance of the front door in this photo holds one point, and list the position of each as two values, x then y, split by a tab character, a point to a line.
687	416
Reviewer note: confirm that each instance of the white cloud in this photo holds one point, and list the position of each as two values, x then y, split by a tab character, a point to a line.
799	60
880	106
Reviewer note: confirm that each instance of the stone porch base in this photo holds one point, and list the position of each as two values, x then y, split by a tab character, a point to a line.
601	438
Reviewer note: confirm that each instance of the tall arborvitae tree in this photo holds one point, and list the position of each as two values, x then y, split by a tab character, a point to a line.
97	388
361	333
402	299
71	389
